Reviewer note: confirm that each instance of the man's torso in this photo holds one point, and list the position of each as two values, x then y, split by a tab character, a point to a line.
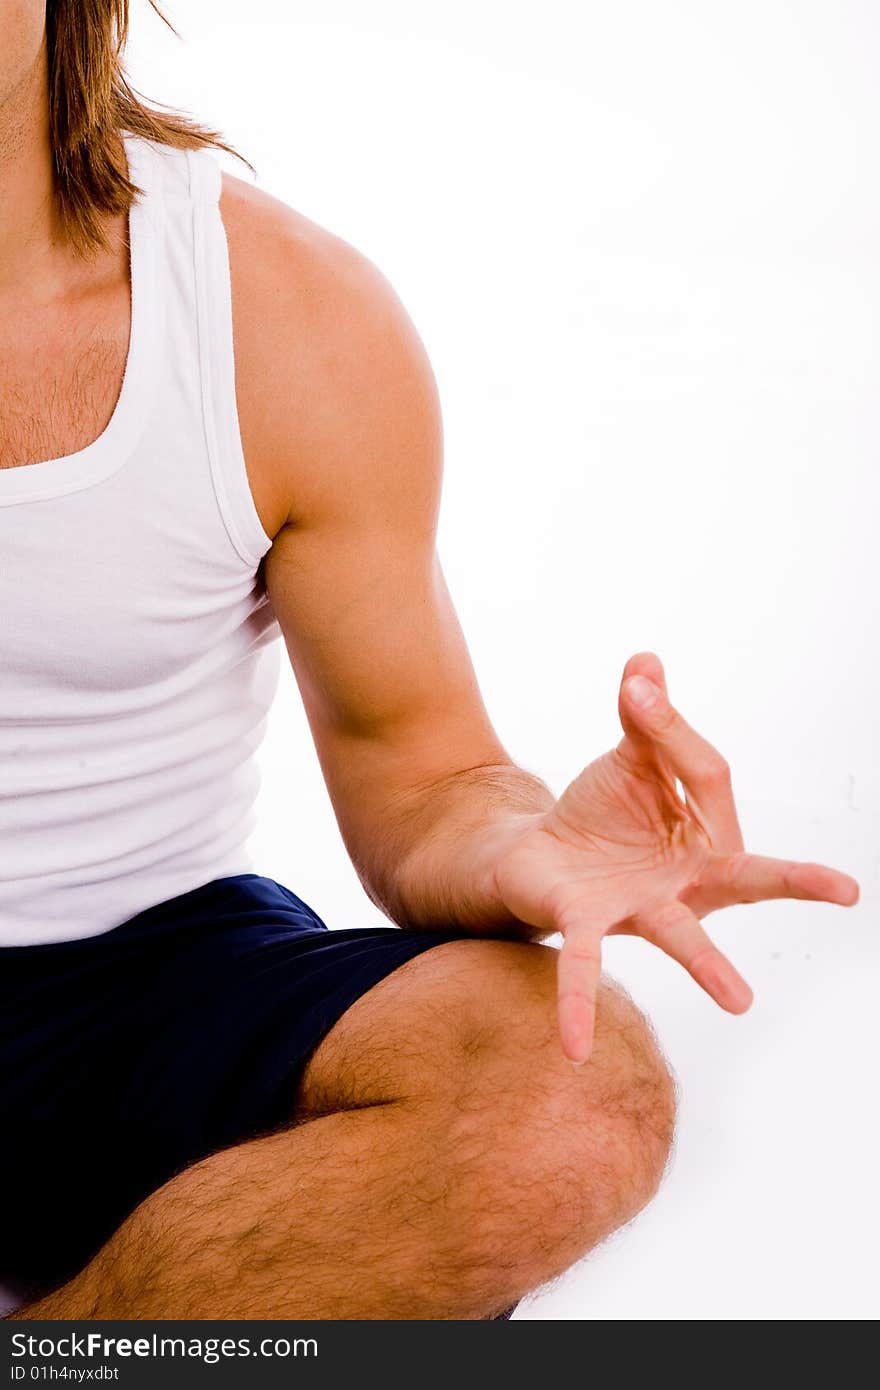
62	358
63	353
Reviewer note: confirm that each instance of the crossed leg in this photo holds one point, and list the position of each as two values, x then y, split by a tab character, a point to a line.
442	1160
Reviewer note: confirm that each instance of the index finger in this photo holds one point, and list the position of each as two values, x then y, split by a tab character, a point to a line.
702	771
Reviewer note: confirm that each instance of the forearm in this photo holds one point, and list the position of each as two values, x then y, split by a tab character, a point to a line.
431	866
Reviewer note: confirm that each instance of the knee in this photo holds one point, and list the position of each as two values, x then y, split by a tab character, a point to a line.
566	1155
625	1101
630	1103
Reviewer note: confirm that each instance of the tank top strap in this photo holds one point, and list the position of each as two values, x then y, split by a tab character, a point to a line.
217	360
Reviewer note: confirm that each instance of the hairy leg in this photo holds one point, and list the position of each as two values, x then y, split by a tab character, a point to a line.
443	1160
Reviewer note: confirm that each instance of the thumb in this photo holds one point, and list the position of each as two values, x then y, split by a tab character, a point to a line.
643	675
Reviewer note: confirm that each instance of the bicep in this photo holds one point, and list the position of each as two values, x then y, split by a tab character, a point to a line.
381	662
354	577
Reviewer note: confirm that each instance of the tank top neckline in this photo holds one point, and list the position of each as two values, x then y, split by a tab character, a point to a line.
104	455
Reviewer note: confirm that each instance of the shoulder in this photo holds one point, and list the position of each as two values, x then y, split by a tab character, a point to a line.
329	366
285	262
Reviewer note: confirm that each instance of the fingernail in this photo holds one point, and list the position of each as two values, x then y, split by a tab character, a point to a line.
577	1065
642	692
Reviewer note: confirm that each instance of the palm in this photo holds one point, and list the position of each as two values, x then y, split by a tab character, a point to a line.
617	837
621	851
623	831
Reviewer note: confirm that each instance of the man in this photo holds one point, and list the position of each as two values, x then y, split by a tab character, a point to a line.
213	1106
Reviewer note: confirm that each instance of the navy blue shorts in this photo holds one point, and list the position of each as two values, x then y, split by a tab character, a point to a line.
128	1056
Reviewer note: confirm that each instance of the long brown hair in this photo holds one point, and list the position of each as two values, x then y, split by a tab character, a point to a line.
90	104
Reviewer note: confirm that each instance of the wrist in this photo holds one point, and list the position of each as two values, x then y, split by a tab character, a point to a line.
488	846
455	840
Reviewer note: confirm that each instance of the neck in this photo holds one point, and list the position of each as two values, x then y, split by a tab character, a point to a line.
31	241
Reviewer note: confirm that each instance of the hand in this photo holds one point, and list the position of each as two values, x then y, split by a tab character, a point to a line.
620	851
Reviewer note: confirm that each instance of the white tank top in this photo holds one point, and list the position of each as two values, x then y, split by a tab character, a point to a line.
139	652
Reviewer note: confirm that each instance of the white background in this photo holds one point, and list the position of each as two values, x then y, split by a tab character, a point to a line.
640	243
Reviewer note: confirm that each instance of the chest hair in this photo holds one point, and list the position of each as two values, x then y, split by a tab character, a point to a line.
52	405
